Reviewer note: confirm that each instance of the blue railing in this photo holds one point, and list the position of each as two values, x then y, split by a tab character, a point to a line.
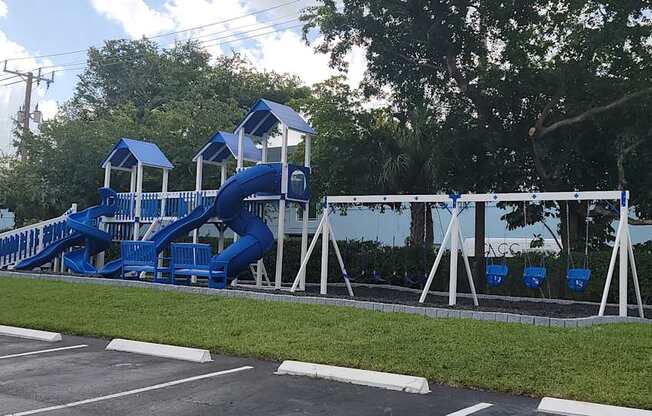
28	241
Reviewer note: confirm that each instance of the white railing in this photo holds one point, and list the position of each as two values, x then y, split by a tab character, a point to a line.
22	243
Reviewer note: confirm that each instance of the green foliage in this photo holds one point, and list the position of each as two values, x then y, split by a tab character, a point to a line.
513	358
540	95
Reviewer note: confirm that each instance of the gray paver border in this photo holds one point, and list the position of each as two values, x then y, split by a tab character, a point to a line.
439	313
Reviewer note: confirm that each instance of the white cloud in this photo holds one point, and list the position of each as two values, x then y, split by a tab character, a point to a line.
49	108
3	8
284	51
12	96
135	16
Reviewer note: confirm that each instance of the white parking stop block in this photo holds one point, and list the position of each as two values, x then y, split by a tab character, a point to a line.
12	331
575	408
387	381
160	350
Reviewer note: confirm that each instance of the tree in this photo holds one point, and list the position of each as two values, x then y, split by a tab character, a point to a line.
546	87
173	97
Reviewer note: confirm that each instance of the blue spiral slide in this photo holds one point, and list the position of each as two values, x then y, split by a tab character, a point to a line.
255	236
84	228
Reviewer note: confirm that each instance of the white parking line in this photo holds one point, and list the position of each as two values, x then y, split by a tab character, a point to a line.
129	392
24	354
470	410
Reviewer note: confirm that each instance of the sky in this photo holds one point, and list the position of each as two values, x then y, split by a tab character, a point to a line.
32	28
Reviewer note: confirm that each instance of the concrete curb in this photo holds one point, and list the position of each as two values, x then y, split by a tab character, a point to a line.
574	408
389	381
12	331
160	350
432	312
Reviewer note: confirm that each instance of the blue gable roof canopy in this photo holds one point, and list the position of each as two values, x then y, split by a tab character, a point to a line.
224	145
264	115
128	152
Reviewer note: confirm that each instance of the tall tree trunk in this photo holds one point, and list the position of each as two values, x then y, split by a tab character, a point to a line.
419	212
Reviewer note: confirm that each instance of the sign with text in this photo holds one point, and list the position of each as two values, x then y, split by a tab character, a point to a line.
511	247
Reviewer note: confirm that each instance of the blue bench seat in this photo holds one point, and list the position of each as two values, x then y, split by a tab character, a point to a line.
140	256
190	259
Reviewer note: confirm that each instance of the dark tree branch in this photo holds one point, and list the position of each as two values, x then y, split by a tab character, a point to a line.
553	235
540	132
610	214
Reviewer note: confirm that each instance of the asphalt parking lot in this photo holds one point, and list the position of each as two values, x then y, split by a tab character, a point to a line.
76	376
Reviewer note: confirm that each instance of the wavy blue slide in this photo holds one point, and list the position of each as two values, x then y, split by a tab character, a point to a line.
83	225
255	236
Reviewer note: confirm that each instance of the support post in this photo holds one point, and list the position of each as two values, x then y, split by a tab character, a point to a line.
199	176
220	239
99	258
480	260
623	260
280	235
139	198
223	173
467	267
164	191
435	265
340	260
107	175
264	150
452	282
312	246
637	289
164	197
241	134
306	212
323	282
610	271
132	189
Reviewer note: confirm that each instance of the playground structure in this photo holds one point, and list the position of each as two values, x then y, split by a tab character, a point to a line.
161	217
147	223
577	277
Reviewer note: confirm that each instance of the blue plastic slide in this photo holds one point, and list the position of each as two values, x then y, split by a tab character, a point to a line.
256	238
83	225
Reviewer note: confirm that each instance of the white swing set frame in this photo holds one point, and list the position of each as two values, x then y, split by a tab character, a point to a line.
453	237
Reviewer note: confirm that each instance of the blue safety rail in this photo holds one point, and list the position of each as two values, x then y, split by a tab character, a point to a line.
496	274
27	242
125	203
150	206
533	276
578	279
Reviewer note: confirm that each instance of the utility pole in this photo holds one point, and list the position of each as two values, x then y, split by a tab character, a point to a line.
28	102
26	113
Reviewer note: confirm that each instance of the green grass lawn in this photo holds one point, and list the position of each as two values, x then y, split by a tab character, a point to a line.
606	363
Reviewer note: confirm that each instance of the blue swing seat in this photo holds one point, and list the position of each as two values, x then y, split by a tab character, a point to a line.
533	276
496	273
578	279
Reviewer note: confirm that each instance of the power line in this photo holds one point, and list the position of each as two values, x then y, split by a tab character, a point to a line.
164	34
74	66
227	20
271	23
254	30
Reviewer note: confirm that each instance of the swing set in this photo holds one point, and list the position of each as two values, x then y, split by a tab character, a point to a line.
533	276
577	278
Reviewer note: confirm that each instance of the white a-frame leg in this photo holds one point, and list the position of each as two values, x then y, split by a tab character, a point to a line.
325	230
454	236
